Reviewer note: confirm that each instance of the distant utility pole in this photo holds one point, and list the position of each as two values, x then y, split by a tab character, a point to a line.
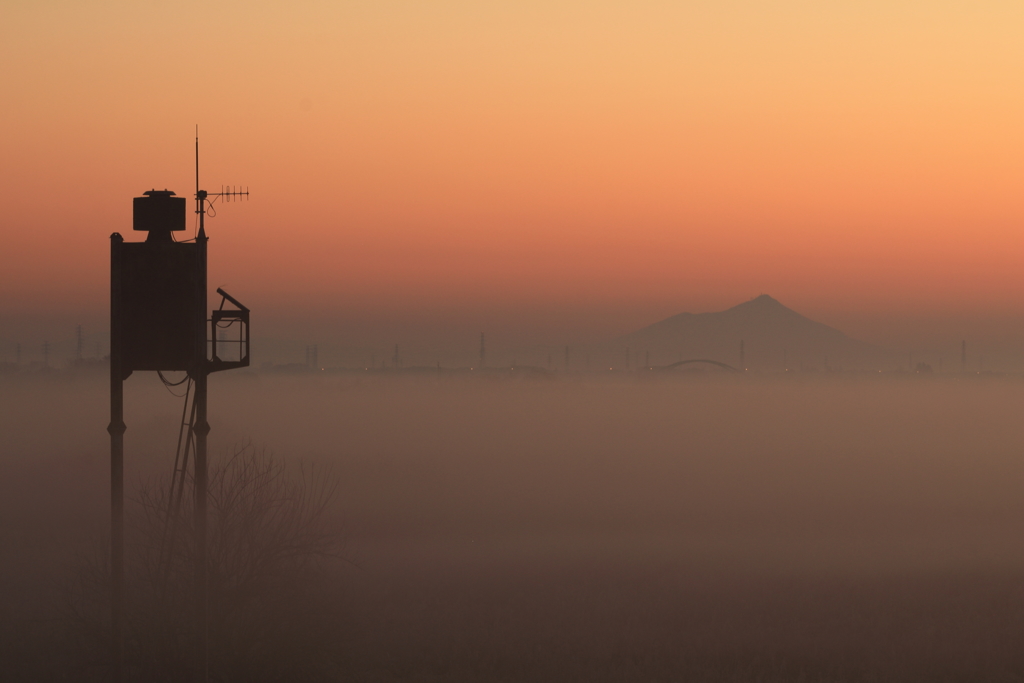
46	354
80	343
743	356
483	352
963	356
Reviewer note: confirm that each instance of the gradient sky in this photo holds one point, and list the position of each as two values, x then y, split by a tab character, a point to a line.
571	168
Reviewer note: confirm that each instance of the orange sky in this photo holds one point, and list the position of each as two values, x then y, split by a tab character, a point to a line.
587	165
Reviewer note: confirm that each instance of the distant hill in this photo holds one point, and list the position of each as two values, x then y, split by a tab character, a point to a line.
773	336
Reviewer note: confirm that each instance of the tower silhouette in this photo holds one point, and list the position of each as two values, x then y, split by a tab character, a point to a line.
159	321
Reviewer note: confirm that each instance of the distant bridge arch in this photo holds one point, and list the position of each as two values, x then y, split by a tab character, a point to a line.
692	361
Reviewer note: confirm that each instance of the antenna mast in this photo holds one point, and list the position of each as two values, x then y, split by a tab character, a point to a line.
202	195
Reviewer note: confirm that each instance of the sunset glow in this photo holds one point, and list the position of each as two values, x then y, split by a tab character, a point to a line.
604	163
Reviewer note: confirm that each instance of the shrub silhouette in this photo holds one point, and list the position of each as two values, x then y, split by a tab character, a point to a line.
275	611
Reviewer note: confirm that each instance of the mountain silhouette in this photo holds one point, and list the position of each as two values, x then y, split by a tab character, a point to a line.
774	337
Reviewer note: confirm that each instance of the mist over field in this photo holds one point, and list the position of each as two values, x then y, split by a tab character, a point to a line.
591	342
697	525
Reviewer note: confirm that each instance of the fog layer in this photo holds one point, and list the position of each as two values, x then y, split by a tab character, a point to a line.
615	528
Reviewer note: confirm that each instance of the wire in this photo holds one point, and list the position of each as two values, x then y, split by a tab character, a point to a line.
168	384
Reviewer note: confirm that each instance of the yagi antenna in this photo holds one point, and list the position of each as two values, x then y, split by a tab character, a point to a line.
202	196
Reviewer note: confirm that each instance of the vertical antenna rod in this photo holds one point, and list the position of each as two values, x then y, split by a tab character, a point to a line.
200	204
